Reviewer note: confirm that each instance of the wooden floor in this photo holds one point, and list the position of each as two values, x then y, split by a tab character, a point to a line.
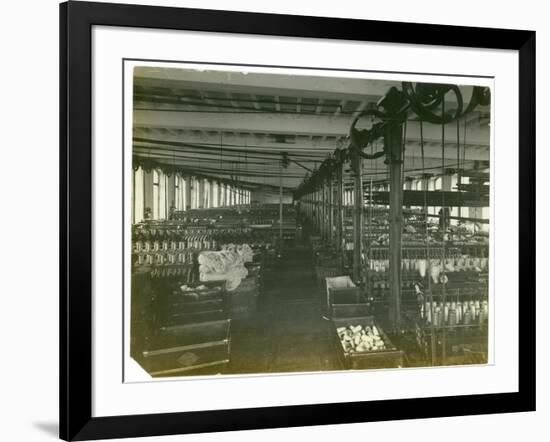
288	333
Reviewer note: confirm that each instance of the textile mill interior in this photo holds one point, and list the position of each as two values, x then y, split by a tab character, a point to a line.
284	222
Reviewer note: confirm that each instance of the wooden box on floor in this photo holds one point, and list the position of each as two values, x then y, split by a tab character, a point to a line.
341	290
204	304
326	271
191	349
390	357
349	310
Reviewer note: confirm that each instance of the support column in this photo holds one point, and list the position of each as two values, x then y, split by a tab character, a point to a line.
393	145
321	209
339	207
211	200
281	208
316	211
188	185
330	209
201	192
357	216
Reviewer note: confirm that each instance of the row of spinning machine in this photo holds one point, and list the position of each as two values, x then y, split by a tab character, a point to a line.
423	273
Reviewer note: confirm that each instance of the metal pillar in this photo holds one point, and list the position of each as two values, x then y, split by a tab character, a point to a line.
188	185
318	210
330	209
339	208
393	146
357	217
325	210
281	207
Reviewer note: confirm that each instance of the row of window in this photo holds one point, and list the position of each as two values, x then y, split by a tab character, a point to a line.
155	194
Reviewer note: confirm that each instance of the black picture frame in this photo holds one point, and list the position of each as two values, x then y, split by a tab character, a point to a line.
76	21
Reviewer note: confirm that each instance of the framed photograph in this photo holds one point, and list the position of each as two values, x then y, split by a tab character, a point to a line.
273	220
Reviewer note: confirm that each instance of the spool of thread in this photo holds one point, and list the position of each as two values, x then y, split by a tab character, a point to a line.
472	308
452	317
467	317
435	271
428	311
422	266
437	317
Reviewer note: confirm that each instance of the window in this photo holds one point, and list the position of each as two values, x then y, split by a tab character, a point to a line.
165	204
156	194
228	195
206	193
454	182
177	192
180	191
139	195
193	190
196	193
215	194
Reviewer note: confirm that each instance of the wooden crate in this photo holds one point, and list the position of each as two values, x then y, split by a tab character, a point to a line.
188	349
323	272
349	310
390	357
341	290
197	305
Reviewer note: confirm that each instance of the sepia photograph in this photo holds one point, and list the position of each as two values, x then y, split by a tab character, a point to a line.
290	220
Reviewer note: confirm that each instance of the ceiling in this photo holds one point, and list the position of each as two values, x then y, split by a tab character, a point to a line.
236	124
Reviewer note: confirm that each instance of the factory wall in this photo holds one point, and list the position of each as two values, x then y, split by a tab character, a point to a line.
270	195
